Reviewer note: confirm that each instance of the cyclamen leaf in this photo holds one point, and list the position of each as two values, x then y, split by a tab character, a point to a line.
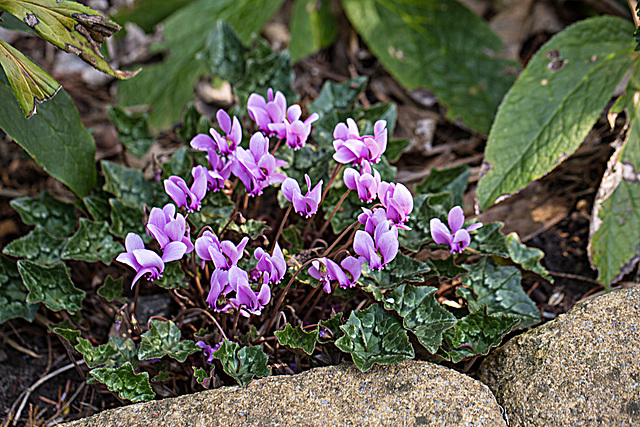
337	96
224	53
312	27
401	269
128	185
452	180
122	380
125	351
179	164
163	339
424	209
97	207
95	356
193	123
554	104
92	242
444	268
172	277
202	376
298	338
13	294
250	227
527	258
243	364
53	215
112	289
332	324
37	246
499	288
71	27
63	330
420	41
421	313
126	219
374	336
133	130
395	148
50	285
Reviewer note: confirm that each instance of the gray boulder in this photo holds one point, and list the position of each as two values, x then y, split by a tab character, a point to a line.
408	394
581	369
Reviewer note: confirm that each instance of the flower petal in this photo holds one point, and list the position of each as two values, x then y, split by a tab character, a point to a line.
455	219
174	251
440	232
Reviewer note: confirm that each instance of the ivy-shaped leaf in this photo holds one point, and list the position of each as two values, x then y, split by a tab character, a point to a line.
126	219
243	364
444	268
526	257
13	294
133	130
298	338
374	336
70	335
337	96
95	356
128	185
37	246
453	180
122	380
97	207
488	240
112	289
202	376
125	351
333	325
421	313
163	339
91	243
50	285
401	269
53	215
499	288
425	207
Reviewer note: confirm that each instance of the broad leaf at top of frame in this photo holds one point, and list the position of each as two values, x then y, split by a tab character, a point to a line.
312	27
615	223
112	289
55	138
122	380
298	338
243	364
168	86
126	184
13	294
425	207
70	26
452	180
51	285
500	289
421	313
401	269
163	339
147	13
224	53
337	96
91	243
53	215
37	246
133	129
421	41
554	104
31	85
374	336
475	334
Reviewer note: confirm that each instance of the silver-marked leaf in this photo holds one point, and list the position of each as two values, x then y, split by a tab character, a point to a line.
243	364
97	207
126	219
92	242
37	246
128	185
401	269
374	336
95	356
13	294
454	180
421	41
133	130
499	288
526	257
51	285
421	313
337	96
312	27
554	104
111	290
445	268
298	338
163	339
122	380
488	240
53	215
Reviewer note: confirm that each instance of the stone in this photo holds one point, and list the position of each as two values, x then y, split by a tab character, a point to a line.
581	369
408	394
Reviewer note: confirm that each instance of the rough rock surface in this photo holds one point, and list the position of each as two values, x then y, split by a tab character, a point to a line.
408	394
581	369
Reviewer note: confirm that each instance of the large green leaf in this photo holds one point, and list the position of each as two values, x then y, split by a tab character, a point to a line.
440	45
50	285
52	214
55	138
298	338
92	242
163	339
421	313
499	288
128	185
122	380
454	180
133	130
168	87
147	13
37	246
337	96
13	294
554	104
374	336
401	269
70	26
614	245
242	363
312	27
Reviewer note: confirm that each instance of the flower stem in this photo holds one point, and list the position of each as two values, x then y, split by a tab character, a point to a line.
328	221
335	174
333	245
284	220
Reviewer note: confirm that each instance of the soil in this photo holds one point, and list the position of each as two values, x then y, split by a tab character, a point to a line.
29	351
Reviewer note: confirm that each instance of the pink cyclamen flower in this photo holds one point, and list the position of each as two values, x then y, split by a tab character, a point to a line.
224	254
219	285
146	262
166	226
398	202
223	144
256	167
371	219
379	249
306	205
245	296
274	265
456	237
265	112
177	189
220	171
364	182
351	148
326	270
296	131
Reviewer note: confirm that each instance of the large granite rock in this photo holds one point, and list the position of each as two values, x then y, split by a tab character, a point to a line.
581	369
408	394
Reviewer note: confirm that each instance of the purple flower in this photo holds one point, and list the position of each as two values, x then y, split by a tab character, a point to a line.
264	112
398	202
371	219
220	171
456	237
326	270
223	144
245	296
274	265
177	189
351	148
166	226
256	167
208	350
145	261
380	249
223	254
364	182
306	205
219	284
296	131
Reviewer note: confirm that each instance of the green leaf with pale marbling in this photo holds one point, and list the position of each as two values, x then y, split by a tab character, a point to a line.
243	364
298	338
53	215
91	243
133	129
128	185
126	219
163	339
37	246
97	207
13	294
51	285
337	96
122	380
112	289
401	269
452	180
